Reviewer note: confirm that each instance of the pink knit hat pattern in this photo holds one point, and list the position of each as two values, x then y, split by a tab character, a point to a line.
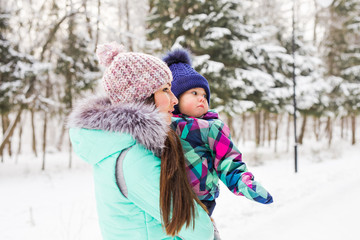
130	76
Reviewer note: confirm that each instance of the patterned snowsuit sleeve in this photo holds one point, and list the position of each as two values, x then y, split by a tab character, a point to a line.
230	168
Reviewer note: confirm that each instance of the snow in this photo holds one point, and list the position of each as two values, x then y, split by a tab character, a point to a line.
319	202
170	24
12	85
199	60
355	70
272	48
192	21
243	106
324	3
55	204
216	33
261	81
214	67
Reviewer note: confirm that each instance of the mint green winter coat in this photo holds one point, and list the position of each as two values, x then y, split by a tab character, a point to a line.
127	188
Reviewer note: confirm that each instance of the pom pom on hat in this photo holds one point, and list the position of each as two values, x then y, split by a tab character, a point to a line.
107	52
177	56
130	76
184	76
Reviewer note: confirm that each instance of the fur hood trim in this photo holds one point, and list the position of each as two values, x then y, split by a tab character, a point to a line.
144	122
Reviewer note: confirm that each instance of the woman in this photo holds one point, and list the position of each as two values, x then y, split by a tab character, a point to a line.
139	195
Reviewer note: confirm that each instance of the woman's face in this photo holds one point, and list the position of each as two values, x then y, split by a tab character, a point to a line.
165	101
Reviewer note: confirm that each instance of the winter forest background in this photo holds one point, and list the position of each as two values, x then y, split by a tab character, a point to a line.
244	48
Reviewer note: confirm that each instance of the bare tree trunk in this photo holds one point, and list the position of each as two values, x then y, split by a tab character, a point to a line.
70	154
44	141
329	130
121	18
288	133
20	142
243	127
33	132
130	43
88	22
250	129
6	123
231	126
97	24
278	118
264	125
303	128
4	128
61	138
270	117
342	127
317	127
47	95
10	130
316	20
346	127
353	129
257	128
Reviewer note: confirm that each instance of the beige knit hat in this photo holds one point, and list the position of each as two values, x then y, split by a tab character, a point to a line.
130	76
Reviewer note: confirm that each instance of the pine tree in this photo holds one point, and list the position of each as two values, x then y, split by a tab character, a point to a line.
18	73
221	37
10	83
76	67
342	55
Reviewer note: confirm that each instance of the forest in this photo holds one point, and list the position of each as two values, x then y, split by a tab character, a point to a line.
260	57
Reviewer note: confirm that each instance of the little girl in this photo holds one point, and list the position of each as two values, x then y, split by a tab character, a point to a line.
210	153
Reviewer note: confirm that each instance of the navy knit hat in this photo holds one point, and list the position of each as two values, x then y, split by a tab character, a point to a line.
184	76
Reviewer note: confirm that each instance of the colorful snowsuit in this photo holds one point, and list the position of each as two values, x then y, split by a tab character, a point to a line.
211	155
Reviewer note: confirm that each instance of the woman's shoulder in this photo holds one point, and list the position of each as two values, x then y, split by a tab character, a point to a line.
139	152
142	121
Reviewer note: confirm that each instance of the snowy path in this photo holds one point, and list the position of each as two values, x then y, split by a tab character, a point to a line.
321	202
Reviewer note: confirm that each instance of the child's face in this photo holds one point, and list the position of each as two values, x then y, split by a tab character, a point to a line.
193	102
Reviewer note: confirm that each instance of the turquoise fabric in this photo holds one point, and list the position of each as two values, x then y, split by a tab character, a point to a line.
138	216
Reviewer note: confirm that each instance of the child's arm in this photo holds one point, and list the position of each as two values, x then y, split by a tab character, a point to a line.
230	168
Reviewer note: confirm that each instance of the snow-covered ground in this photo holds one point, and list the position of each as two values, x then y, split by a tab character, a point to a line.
320	202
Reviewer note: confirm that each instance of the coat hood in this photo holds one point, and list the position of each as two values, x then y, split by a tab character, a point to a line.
137	121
